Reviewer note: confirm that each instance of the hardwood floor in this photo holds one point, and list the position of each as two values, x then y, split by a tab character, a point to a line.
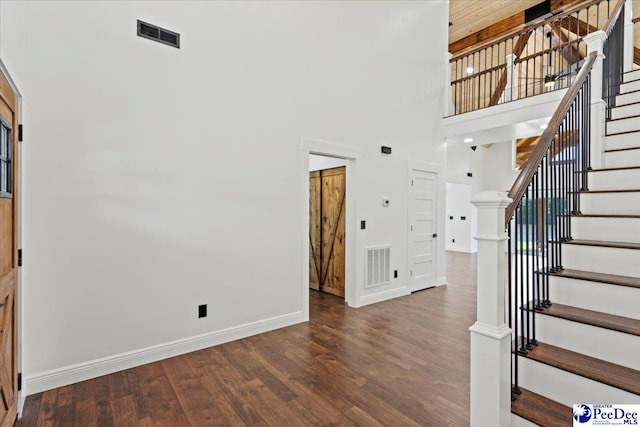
403	362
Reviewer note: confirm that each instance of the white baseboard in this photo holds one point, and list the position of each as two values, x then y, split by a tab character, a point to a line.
107	365
465	250
382	296
442	281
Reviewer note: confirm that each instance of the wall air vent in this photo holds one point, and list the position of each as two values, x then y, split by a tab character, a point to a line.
537	13
160	35
378	266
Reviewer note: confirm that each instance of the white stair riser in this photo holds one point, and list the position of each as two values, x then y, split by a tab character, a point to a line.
567	388
630	86
622	262
596	296
625	140
628	98
625	179
631	76
608	229
625	111
610	203
612	346
629	124
622	159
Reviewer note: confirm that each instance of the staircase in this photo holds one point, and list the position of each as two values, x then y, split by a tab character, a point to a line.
589	338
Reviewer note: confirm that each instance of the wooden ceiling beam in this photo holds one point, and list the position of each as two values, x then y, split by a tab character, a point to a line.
577	26
502	83
572	53
511	23
501	27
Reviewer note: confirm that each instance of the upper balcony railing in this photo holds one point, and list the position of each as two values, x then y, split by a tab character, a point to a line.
539	58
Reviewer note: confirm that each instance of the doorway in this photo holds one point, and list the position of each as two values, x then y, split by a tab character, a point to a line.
9	215
327	231
422	229
348	155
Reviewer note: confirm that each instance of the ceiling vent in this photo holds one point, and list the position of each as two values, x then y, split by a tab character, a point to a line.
537	13
160	35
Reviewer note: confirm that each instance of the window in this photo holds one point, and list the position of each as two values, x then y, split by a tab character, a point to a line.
5	159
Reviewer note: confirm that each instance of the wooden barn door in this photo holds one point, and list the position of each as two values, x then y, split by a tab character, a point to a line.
8	252
327	191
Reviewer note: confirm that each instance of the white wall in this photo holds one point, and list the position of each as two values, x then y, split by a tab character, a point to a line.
157	179
461	221
491	169
12	38
498	163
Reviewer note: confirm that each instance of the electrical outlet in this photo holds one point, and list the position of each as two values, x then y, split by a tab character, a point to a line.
202	310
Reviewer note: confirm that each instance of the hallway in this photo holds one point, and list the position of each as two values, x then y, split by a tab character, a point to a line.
403	362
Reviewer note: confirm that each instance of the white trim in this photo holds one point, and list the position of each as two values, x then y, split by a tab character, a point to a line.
441	281
491	331
350	153
465	249
95	368
7	75
424	166
383	296
324	148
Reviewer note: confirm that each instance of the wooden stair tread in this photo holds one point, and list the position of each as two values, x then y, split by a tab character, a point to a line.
631	190
633	282
603	244
613	150
612	322
623	118
586	366
613	169
604	216
541	410
630	103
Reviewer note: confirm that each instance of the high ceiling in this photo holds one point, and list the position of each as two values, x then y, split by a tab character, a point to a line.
470	16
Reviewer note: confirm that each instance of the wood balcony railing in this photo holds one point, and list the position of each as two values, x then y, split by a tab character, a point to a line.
540	58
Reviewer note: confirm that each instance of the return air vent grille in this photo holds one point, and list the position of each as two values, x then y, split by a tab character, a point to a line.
160	35
378	268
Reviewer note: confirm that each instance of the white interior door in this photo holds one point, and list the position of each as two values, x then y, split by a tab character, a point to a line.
422	229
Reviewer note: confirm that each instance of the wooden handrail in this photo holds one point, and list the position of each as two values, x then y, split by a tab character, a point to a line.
521	184
522	29
613	17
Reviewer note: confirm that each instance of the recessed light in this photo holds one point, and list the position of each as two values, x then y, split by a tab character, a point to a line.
468	140
543	126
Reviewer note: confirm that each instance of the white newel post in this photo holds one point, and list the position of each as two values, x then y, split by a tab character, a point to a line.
490	336
508	90
595	42
628	35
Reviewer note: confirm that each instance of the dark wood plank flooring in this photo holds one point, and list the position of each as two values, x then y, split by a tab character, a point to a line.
403	362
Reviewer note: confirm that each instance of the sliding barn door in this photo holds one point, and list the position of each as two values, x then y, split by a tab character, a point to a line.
8	252
327	230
